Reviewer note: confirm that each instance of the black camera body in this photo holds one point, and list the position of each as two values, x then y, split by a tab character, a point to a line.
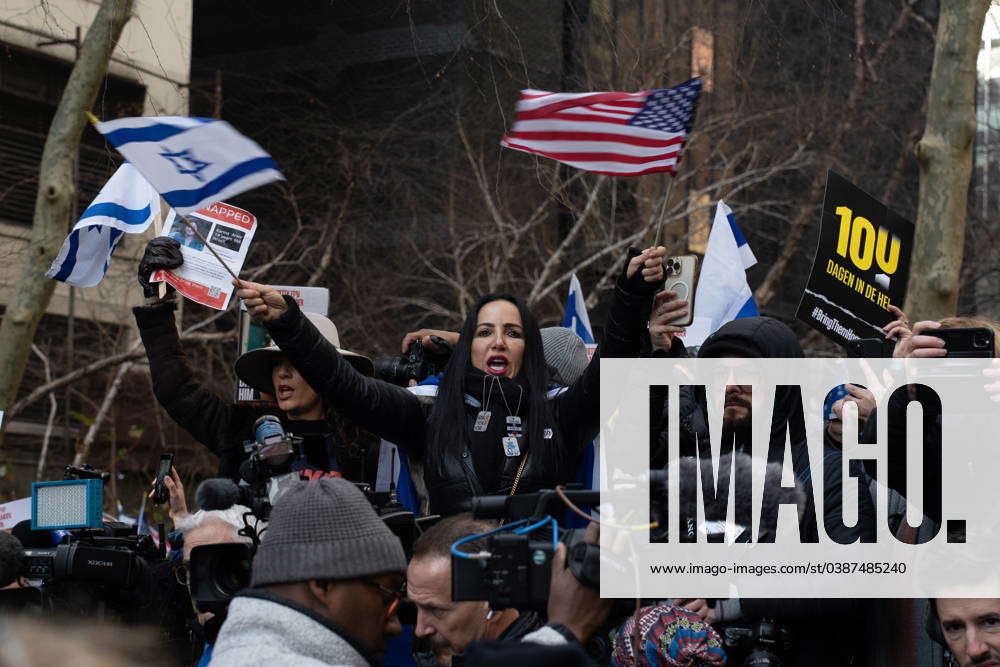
516	568
416	364
765	642
516	574
105	559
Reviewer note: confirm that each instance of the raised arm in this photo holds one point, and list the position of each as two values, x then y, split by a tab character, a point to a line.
203	414
386	410
578	408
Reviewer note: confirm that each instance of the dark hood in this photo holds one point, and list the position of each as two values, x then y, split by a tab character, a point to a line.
763	337
752	337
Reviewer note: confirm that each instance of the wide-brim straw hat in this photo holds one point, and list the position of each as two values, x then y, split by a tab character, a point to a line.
254	366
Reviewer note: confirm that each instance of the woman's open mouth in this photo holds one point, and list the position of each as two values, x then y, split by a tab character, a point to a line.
284	392
496	364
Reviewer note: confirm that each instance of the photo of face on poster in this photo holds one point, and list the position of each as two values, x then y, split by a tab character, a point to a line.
181	232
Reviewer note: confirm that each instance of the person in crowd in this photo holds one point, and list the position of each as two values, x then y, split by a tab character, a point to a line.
330	442
443	625
326	581
818	625
11	562
491	428
968	627
17	595
211	527
198	529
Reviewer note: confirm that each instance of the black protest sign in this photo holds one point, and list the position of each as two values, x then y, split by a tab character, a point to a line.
861	267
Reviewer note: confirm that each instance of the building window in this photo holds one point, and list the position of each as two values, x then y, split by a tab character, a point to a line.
31	85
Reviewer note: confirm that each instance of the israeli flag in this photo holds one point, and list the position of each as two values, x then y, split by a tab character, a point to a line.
576	317
723	293
192	162
125	205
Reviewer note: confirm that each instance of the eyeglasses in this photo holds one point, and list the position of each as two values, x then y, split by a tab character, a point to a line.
393	596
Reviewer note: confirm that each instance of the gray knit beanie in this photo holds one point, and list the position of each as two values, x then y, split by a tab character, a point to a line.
565	352
325	529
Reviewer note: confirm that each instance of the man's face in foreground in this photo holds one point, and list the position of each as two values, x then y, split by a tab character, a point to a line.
447	625
971	626
366	609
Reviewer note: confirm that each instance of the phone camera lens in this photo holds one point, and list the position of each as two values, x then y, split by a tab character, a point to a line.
980	341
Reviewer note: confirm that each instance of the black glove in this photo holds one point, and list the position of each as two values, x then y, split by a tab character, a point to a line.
162	252
637	284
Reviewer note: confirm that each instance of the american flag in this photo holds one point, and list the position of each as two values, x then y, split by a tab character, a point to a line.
623	134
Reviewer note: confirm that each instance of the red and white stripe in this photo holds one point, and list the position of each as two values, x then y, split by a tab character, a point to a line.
590	131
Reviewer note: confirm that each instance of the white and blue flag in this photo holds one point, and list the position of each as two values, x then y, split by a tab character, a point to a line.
126	204
191	162
723	293
576	317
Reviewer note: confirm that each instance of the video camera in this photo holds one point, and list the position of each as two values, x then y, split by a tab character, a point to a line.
107	553
417	364
514	567
98	568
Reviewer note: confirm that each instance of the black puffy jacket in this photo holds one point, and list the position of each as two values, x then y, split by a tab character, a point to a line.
396	415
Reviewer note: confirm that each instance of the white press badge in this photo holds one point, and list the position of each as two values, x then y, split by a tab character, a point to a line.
482	421
510	446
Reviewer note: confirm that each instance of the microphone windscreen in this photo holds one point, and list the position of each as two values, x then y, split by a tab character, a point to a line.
217	493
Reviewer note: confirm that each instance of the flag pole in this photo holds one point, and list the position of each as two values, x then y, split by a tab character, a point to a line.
663	209
95	120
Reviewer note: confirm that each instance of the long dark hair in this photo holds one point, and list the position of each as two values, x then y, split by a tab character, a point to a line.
449	425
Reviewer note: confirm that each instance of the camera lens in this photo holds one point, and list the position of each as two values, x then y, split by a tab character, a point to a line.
980	341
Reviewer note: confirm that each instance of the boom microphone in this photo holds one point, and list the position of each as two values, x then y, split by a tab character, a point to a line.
218	493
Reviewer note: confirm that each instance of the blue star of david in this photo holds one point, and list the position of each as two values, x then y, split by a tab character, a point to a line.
185	163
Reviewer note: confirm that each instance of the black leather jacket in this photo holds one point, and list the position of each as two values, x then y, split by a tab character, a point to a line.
396	415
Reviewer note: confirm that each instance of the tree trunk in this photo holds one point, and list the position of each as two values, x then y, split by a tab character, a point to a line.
945	158
31	293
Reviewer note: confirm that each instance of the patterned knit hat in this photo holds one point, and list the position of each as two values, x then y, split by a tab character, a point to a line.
325	529
668	635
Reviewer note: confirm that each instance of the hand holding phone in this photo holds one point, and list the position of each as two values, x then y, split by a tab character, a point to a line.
161	493
679	272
